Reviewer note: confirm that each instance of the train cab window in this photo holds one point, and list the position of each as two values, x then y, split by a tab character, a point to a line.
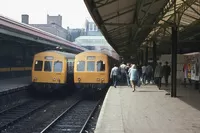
38	65
81	66
48	66
58	66
90	66
100	66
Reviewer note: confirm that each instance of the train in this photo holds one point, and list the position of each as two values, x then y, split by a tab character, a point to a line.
52	70
92	70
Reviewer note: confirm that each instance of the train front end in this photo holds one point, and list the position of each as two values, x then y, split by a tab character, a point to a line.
91	70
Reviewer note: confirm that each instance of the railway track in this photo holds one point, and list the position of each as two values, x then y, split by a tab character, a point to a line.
73	119
38	120
12	115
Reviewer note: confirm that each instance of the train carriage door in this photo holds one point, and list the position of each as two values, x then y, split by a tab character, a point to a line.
70	70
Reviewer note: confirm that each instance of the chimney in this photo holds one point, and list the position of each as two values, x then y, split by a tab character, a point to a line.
25	18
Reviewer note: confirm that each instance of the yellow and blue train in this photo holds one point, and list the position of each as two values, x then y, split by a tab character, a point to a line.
52	70
92	70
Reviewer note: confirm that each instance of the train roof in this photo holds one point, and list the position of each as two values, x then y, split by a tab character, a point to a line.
94	52
97	52
68	55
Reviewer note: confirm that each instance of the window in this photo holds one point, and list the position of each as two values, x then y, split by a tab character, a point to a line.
38	65
90	27
95	28
58	66
48	66
81	66
90	66
100	66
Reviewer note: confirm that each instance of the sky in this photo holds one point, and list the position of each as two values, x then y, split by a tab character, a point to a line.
73	12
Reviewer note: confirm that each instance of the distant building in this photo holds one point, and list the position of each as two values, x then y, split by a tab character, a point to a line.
54	20
53	26
53	29
91	29
98	43
74	33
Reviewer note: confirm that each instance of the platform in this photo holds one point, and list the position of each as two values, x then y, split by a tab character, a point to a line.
8	85
149	110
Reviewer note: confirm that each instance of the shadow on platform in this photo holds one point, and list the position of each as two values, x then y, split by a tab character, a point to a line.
188	94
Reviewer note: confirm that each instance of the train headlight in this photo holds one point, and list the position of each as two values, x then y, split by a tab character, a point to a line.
102	79
35	79
98	79
79	80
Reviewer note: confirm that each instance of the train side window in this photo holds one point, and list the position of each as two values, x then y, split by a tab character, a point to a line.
100	66
48	66
38	65
58	66
90	66
81	66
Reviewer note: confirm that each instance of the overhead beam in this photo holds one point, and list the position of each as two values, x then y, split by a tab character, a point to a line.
115	29
119	14
190	5
99	1
106	3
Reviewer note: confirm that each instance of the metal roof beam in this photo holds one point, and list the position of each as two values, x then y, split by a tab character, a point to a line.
143	18
119	14
121	43
117	38
145	25
197	4
117	35
190	5
106	3
183	7
115	29
190	16
119	24
99	1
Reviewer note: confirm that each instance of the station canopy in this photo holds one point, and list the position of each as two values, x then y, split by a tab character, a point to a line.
131	25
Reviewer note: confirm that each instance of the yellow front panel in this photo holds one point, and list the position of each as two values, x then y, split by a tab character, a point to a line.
93	76
88	77
46	76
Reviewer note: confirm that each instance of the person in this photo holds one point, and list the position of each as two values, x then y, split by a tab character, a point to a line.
133	77
144	74
123	73
127	74
166	72
139	69
158	75
113	75
149	72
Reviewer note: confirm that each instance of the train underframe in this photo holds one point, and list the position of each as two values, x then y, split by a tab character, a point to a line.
50	87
